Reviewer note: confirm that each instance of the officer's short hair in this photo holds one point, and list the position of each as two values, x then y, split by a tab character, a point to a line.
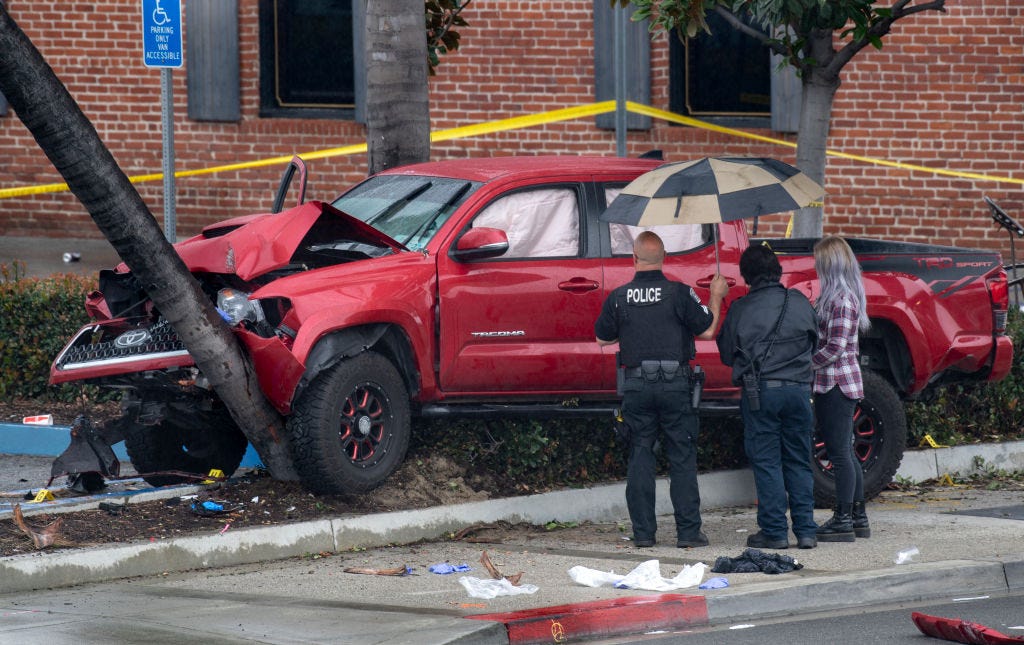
758	262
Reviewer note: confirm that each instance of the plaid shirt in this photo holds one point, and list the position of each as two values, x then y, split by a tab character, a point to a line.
835	357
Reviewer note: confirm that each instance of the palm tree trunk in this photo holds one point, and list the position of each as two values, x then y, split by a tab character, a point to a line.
69	140
397	105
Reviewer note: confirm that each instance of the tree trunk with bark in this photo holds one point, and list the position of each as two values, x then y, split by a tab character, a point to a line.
819	91
397	104
71	143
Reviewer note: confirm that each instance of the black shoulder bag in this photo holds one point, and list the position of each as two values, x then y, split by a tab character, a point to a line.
753	375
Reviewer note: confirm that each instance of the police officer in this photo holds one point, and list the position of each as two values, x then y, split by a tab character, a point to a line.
655	320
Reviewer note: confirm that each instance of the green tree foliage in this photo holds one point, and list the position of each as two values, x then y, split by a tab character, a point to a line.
817	37
442	17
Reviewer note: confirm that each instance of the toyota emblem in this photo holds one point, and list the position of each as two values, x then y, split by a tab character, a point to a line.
133	338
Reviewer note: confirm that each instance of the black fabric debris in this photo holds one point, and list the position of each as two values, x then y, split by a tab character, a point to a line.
754	560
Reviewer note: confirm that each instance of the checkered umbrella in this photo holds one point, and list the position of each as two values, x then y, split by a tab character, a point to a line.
711	190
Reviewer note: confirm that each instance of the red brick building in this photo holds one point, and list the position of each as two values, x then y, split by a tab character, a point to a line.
945	93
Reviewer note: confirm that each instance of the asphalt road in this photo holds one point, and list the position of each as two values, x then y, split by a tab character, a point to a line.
856	626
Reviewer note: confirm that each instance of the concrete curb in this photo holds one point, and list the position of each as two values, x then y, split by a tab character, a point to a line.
922	465
906	583
250	545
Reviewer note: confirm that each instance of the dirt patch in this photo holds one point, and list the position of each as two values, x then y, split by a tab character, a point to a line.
253	499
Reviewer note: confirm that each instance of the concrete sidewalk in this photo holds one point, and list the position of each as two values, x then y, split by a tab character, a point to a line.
970	543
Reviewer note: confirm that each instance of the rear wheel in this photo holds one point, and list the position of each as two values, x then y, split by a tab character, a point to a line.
197	444
879	438
350	429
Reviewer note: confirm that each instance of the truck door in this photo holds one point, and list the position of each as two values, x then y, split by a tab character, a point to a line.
523	322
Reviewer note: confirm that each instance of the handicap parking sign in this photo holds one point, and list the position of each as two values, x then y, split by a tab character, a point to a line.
161	33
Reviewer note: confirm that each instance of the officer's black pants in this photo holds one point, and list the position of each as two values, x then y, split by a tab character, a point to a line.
644	410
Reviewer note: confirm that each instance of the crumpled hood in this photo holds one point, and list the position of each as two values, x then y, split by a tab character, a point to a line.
252	245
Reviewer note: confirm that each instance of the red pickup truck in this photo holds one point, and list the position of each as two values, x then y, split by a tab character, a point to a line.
471	287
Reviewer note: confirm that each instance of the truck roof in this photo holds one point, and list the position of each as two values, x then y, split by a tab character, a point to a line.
486	169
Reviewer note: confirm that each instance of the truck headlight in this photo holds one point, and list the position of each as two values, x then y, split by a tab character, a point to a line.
235	306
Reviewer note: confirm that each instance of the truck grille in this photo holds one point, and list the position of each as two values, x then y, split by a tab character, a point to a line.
158	341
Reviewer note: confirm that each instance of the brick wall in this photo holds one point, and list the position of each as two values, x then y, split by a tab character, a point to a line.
944	93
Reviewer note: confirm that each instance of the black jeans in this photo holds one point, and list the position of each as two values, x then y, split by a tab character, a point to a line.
834	412
777	439
645	410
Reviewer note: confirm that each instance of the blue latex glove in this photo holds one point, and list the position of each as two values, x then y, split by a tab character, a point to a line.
445	568
714	583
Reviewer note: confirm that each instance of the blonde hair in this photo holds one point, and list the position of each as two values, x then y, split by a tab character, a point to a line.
839	275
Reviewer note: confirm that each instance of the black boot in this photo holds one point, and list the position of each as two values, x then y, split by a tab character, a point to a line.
840	527
861	528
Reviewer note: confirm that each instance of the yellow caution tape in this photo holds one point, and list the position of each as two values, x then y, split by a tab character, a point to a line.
214	473
515	123
44	495
928	441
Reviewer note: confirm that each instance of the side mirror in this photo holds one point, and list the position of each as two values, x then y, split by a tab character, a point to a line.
480	243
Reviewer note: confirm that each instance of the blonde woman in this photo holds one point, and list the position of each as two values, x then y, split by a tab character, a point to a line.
838	386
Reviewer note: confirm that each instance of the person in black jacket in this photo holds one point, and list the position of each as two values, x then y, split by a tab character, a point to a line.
654	320
767	338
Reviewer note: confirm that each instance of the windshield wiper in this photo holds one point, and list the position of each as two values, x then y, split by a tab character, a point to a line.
399	203
440	211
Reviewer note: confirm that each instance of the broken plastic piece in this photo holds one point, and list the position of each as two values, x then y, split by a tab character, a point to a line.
906	555
961	631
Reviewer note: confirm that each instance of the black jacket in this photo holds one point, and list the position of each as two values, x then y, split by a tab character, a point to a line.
748	326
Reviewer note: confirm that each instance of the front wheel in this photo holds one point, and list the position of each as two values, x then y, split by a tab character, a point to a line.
196	444
350	429
879	438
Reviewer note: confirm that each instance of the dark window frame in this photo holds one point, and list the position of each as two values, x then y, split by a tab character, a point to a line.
680	86
270	104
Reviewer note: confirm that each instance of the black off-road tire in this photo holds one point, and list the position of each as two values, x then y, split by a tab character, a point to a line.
350	429
879	438
195	444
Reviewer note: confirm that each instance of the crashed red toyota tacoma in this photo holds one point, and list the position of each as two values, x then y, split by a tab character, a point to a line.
471	287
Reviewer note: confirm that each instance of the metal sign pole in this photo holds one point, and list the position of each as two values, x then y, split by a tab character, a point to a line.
161	47
167	118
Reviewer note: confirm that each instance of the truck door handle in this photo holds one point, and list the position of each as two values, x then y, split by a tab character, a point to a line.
706	282
578	285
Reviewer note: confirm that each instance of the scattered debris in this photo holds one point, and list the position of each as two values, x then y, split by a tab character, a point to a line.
403	570
488	589
906	555
38	420
214	507
41	538
961	631
754	560
646	576
497	575
445	568
112	508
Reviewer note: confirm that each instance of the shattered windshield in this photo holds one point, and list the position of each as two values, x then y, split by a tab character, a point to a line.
407	209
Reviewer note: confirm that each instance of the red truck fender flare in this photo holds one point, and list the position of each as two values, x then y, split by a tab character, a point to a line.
385	338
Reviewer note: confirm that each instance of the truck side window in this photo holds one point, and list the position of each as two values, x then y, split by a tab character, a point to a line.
539	223
677	237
